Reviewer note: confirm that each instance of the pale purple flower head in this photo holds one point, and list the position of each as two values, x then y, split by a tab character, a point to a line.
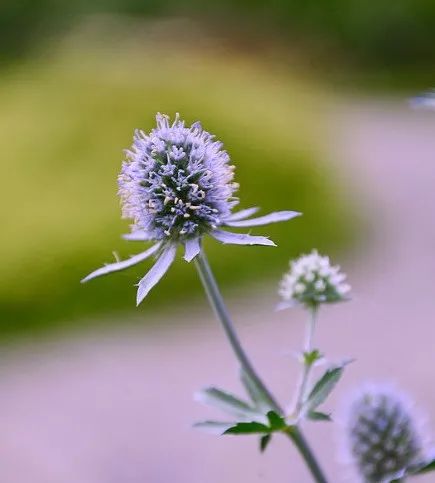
383	436
176	184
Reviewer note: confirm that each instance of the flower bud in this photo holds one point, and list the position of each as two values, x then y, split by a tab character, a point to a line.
381	435
312	280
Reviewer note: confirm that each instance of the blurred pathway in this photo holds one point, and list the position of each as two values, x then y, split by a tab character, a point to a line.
117	408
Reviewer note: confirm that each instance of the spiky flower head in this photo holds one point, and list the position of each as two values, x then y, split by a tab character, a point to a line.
176	184
382	436
311	281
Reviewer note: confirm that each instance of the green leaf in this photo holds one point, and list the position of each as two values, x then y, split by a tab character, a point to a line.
248	428
214	427
324	387
311	357
419	469
227	402
276	421
425	468
257	397
318	416
264	442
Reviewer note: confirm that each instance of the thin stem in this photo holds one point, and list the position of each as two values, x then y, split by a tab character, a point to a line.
308	364
300	442
309	335
219	308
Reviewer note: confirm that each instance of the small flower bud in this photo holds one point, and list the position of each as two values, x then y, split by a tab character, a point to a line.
312	280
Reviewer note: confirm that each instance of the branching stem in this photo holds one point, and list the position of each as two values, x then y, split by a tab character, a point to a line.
221	312
308	364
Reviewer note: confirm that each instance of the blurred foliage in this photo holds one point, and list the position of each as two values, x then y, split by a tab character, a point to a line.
65	121
379	33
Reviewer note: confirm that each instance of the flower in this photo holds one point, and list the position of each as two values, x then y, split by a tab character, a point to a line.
177	185
381	433
311	281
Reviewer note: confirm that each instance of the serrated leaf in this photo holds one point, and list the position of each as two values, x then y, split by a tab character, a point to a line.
214	427
248	428
257	397
264	442
276	421
323	387
227	402
318	416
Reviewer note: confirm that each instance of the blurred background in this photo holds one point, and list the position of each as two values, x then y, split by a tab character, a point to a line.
311	101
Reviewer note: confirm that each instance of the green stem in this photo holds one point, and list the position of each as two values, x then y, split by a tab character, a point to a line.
310	330
300	400
294	433
219	308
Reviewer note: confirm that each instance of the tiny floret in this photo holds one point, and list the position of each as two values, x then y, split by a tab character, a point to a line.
381	435
311	281
177	185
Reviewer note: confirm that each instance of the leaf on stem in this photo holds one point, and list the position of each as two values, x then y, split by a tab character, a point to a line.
214	427
276	421
252	427
424	468
227	402
264	442
318	416
311	357
323	387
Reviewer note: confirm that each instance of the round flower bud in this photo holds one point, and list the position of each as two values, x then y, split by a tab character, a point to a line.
312	280
381	434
